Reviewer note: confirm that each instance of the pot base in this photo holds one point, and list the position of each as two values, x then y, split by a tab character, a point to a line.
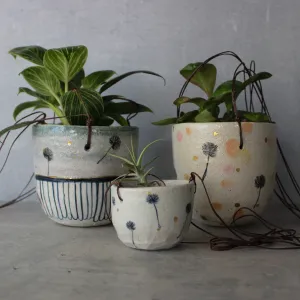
83	223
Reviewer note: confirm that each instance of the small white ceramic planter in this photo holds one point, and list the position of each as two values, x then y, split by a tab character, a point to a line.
71	184
153	218
234	177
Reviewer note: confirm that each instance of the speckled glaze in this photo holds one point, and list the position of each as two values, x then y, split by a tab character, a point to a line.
153	218
234	177
70	183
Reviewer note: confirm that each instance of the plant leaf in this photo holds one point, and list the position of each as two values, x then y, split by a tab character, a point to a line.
81	103
188	117
167	121
257	77
25	105
205	78
125	108
94	80
76	82
226	88
115	80
256	117
123	159
205	116
32	93
17	126
198	101
34	54
119	119
42	80
103	121
139	161
65	64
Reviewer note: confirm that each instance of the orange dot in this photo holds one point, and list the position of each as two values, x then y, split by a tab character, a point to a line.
175	219
195	157
188	131
226	183
232	147
186	176
217	205
247	127
238	214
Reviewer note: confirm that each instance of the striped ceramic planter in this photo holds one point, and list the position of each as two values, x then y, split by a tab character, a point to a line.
71	184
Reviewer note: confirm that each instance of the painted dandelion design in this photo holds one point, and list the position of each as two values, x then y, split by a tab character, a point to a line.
131	226
153	199
188	209
209	150
113	200
259	183
48	154
115	144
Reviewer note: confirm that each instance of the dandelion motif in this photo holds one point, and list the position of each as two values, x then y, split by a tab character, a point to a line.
259	183
153	199
48	154
113	200
131	226
115	144
209	150
188	209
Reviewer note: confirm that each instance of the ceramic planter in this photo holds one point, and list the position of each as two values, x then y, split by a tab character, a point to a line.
70	183
153	218
234	177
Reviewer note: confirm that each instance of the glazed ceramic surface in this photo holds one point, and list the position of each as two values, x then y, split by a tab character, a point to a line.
153	218
70	181
234	177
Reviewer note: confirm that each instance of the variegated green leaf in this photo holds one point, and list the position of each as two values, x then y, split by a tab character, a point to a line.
94	80
32	93
65	64
33	54
42	80
80	104
167	121
25	105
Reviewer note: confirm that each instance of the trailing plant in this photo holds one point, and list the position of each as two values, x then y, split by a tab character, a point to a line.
137	171
203	75
59	83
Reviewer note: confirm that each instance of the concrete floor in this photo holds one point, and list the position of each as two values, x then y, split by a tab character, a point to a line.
40	260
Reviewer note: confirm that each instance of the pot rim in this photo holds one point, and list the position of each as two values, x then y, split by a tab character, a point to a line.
221	123
177	183
103	128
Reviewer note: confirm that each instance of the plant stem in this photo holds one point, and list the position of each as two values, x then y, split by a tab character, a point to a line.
158	225
66	87
205	171
257	198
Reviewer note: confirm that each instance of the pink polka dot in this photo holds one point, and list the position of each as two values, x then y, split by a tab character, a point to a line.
179	136
228	169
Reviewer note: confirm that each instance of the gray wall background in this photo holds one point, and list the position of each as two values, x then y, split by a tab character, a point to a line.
162	36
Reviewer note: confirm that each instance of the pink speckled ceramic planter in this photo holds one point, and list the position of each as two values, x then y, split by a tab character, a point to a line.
234	177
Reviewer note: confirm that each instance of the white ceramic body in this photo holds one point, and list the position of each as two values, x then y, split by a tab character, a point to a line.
153	218
70	184
235	177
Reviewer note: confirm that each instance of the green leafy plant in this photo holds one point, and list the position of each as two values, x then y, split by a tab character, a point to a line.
208	109
137	171
59	83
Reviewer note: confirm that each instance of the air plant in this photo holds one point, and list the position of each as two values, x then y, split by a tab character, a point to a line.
137	171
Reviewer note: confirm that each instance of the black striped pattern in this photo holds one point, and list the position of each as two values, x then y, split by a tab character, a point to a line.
74	200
